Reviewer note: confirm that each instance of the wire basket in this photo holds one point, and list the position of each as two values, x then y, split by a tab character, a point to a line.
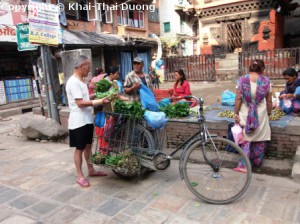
123	143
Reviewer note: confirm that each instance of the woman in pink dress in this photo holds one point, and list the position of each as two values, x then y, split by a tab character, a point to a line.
181	88
99	74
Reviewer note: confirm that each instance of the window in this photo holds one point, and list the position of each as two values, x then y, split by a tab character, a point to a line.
153	16
76	9
167	27
132	18
108	15
141	19
98	11
103	12
119	16
182	24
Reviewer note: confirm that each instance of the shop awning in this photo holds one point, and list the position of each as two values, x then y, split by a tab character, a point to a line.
91	38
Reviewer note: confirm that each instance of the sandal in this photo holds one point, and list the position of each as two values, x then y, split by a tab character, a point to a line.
83	182
239	169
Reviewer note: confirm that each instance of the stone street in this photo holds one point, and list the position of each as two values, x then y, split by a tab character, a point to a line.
37	185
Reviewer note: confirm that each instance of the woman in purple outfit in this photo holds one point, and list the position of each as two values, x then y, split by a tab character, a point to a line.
253	105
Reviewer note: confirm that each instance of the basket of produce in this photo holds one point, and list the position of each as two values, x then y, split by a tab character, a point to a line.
124	163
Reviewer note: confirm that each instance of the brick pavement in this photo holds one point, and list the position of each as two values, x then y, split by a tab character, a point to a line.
37	185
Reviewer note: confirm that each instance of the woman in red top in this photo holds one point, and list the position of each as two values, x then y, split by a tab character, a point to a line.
181	87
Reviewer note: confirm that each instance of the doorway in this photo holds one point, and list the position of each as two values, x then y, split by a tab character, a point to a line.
234	36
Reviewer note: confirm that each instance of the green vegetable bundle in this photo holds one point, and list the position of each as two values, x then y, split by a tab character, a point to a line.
113	160
177	110
111	94
135	109
103	85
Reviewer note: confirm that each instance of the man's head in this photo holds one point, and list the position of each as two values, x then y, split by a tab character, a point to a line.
138	65
82	65
290	75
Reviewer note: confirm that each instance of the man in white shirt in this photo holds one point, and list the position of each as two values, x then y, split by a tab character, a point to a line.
80	125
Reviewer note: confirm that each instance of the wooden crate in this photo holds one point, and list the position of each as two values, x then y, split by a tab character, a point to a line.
162	93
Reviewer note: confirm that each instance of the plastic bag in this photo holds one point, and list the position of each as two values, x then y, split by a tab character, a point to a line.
287	103
228	98
237	133
155	119
147	98
100	119
164	102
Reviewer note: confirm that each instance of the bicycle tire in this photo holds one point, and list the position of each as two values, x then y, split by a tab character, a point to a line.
223	186
128	136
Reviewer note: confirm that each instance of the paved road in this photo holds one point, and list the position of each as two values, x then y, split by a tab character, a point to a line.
37	185
209	91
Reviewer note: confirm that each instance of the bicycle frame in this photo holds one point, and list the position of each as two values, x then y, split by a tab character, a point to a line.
203	134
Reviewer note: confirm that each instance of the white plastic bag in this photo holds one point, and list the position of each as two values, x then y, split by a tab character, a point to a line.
287	103
237	133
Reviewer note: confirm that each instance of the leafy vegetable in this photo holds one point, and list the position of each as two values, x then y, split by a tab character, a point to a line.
135	109
112	160
98	158
111	94
103	85
177	110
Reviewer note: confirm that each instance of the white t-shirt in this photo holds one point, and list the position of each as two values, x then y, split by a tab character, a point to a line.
79	117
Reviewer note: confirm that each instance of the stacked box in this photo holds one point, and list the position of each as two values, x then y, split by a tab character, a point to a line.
162	93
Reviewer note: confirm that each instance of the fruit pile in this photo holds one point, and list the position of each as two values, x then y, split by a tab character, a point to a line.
226	113
276	114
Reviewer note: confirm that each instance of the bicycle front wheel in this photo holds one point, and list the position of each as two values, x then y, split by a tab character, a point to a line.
208	171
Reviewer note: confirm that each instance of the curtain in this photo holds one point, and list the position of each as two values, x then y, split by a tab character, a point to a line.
126	64
146	60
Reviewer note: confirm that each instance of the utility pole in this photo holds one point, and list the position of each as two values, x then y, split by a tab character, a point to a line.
48	75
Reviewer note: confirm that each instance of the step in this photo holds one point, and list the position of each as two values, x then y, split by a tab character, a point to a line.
232	56
270	166
275	167
17	110
10	112
296	172
297	155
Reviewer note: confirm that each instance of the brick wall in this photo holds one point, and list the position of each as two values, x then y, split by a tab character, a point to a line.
276	26
81	25
283	142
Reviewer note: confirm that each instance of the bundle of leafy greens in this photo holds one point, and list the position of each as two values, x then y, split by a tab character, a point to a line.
103	89
103	85
177	110
134	109
111	94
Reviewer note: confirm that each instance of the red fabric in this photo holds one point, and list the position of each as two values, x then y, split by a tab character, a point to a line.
102	144
183	90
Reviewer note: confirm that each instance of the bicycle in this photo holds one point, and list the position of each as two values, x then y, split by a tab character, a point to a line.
205	163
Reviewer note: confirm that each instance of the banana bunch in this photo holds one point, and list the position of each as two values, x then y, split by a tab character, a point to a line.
276	114
226	113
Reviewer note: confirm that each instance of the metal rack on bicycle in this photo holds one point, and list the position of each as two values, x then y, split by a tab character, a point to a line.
126	144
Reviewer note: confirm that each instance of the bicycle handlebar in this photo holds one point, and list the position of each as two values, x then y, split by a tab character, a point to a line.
199	100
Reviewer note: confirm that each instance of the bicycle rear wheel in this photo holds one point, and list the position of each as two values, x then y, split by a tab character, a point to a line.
217	183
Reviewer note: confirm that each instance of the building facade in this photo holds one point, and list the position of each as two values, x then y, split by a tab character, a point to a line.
114	31
179	28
